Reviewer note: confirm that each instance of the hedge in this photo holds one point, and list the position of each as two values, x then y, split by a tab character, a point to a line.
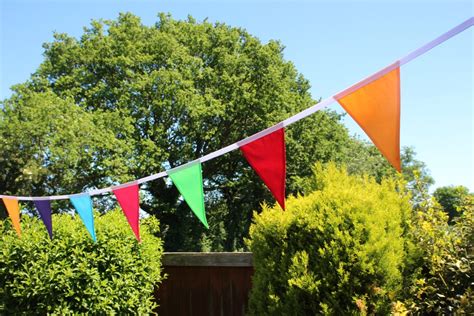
72	274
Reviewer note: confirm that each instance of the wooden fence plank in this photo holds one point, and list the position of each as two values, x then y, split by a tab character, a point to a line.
208	259
214	284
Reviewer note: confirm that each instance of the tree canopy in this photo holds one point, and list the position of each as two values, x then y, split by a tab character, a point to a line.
454	199
126	100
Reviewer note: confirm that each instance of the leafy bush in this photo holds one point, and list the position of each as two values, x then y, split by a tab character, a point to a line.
337	250
72	274
441	264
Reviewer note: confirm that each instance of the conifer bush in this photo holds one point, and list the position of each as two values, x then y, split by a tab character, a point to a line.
73	275
339	249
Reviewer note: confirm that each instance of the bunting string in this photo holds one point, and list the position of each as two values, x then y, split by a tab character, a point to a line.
295	118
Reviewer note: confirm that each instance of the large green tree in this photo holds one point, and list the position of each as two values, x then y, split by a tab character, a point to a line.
127	100
454	199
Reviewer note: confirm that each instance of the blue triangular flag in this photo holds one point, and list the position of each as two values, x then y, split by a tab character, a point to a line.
83	206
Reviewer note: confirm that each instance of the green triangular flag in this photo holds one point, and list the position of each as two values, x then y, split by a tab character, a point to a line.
188	180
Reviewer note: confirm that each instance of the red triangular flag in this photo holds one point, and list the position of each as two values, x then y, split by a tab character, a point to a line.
128	199
267	157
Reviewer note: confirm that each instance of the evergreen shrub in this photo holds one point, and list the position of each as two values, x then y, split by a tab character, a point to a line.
73	275
339	249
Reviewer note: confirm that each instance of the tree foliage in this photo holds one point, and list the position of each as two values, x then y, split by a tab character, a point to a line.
52	146
127	100
454	199
416	174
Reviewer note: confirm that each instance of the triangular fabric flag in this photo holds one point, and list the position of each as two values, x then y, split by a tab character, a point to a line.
83	206
376	108
44	209
188	180
267	157
128	199
13	209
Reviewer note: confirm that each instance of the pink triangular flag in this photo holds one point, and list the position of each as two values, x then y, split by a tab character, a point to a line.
128	199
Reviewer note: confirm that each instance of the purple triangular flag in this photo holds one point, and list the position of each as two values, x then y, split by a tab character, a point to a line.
44	209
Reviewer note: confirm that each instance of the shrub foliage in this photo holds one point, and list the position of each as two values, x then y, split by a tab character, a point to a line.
72	274
337	250
440	265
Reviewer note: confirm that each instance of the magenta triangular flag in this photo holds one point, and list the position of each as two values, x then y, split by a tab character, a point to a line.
267	157
128	199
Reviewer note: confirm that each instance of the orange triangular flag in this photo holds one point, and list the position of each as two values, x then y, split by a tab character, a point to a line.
376	108
13	210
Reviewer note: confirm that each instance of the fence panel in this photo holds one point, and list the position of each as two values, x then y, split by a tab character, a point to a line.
212	284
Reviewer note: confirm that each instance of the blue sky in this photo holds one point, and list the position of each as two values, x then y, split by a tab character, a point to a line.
332	43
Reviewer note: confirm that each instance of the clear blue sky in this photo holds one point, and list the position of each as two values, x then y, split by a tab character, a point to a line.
333	43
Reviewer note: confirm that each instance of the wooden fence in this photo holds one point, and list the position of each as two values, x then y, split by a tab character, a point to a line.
199	283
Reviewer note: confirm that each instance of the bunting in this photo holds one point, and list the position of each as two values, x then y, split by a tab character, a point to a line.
83	206
128	199
373	103
376	108
44	210
188	180
13	209
267	157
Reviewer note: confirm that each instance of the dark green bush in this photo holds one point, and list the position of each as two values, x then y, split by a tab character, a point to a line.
72	274
337	250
